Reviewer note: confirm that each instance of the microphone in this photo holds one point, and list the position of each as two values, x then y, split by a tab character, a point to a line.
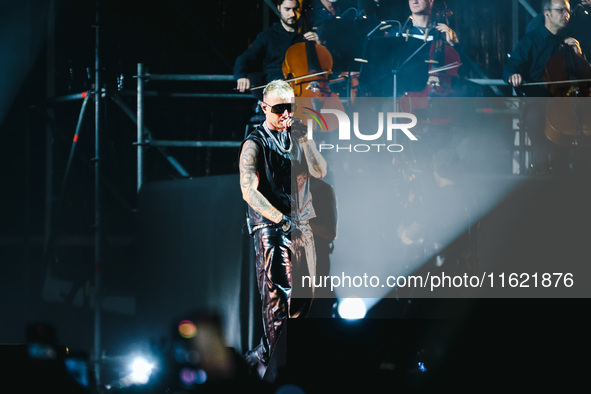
298	128
296	123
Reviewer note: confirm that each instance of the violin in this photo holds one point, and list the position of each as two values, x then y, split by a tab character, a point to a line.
306	67
568	119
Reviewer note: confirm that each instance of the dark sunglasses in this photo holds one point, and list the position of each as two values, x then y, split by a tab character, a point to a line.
280	108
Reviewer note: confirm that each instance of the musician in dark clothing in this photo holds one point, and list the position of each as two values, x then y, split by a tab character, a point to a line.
267	51
421	22
528	61
527	64
422	28
529	58
409	59
579	26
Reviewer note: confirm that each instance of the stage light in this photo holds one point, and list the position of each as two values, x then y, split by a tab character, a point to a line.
141	369
136	369
422	366
352	308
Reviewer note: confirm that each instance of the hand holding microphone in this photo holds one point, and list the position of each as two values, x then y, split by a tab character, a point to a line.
287	123
298	129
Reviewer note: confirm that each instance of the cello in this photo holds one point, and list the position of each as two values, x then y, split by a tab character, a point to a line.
306	67
568	118
444	62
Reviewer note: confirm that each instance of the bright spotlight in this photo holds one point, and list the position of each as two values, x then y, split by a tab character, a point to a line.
422	366
352	308
141	370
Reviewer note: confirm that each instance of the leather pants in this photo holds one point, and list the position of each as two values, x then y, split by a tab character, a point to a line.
278	259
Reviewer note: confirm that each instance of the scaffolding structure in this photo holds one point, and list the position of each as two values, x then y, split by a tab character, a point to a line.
144	140
144	136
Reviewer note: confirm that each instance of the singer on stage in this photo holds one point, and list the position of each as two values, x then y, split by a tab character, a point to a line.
276	160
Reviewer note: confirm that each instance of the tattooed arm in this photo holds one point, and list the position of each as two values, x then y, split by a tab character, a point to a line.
249	182
316	163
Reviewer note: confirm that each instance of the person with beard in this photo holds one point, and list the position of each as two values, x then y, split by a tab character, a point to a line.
267	51
579	26
527	64
529	58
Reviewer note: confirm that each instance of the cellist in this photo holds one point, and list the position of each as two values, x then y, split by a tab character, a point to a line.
579	26
529	58
269	47
421	27
426	63
421	18
527	64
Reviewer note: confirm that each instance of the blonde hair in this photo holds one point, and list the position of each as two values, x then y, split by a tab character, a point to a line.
278	89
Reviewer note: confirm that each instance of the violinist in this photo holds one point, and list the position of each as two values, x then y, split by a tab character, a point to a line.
269	47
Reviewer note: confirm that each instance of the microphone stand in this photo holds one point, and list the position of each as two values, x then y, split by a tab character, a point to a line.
382	24
397	69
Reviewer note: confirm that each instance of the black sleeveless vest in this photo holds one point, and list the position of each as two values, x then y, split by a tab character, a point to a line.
279	174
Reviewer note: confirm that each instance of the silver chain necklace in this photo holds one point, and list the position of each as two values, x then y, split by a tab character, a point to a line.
276	141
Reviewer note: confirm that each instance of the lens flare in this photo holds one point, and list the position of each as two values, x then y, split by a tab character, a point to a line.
187	329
